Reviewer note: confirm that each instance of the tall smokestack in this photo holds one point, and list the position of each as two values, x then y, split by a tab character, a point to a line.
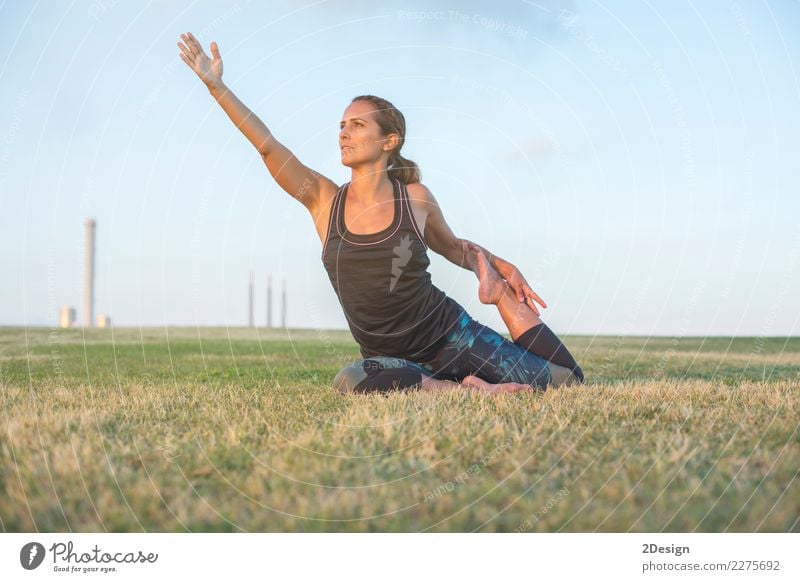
283	306
250	320
269	301
88	275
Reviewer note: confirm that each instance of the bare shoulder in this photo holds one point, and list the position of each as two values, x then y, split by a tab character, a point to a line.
423	204
438	235
326	190
316	195
421	195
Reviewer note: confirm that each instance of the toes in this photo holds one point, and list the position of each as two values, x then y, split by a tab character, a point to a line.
473	382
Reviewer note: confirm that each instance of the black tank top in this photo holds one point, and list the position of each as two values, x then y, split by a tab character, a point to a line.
383	284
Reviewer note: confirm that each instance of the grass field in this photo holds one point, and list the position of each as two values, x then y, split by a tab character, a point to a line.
183	429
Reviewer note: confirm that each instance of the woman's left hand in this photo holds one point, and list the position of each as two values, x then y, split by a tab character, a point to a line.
520	286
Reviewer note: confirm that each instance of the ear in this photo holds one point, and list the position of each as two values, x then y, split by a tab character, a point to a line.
390	142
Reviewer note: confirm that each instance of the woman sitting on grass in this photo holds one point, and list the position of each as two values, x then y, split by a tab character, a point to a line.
375	232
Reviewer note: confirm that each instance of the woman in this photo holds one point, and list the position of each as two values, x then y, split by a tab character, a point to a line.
375	231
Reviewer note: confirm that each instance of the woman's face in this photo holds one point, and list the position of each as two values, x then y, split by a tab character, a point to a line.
360	137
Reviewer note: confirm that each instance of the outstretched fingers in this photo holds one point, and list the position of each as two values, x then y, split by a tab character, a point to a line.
186	44
187	60
186	52
195	44
531	296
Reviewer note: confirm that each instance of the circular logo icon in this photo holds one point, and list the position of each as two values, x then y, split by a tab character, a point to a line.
31	555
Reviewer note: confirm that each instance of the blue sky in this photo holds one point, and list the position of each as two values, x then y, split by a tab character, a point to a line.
637	161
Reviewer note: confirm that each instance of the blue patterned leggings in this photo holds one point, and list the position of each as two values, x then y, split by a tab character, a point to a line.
470	349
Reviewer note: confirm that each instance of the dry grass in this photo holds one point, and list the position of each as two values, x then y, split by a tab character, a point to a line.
238	430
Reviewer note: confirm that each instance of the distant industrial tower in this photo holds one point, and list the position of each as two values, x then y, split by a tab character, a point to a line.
66	317
283	306
269	301
88	275
250	319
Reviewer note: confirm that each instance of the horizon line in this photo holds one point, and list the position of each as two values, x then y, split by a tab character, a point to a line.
263	328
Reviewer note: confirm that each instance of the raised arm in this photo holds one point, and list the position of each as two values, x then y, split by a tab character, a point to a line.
440	239
299	181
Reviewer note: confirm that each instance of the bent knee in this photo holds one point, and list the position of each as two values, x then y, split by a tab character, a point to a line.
378	374
349	377
561	376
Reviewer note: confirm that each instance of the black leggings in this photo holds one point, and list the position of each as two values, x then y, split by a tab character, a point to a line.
470	349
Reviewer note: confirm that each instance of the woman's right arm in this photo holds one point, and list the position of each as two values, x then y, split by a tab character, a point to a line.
296	179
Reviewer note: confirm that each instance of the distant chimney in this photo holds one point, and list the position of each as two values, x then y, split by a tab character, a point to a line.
66	317
269	301
88	275
283	306
250	319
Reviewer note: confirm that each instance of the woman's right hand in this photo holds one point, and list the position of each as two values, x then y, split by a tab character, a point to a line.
192	53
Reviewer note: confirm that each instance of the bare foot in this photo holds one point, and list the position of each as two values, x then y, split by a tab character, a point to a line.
491	287
484	386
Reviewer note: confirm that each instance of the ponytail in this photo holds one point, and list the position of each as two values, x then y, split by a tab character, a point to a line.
404	170
391	120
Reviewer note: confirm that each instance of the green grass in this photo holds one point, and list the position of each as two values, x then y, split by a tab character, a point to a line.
182	429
